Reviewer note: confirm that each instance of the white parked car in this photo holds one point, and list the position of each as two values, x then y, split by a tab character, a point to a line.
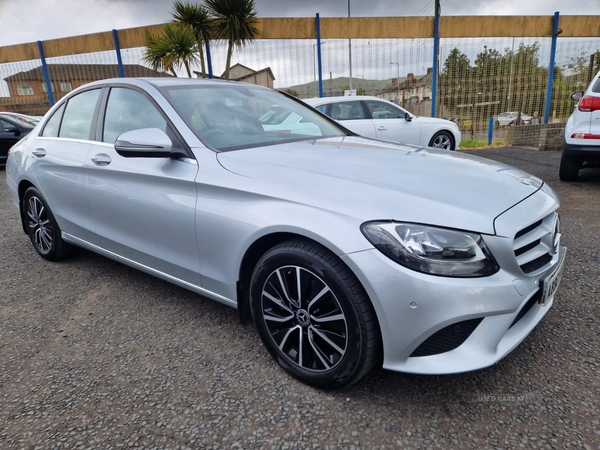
381	119
506	118
582	133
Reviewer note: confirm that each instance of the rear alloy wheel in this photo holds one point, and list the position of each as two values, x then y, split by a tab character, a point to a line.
442	139
569	168
42	228
313	315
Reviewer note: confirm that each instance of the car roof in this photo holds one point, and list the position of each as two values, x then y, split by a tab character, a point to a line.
340	98
169	81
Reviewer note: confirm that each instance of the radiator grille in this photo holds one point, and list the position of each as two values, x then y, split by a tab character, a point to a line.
533	245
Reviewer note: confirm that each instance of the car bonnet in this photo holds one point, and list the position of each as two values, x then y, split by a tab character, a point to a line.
372	180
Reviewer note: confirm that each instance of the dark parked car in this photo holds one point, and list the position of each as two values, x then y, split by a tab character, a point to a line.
11	132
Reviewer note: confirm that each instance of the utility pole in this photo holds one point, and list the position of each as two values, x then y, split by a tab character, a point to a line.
436	56
349	46
397	83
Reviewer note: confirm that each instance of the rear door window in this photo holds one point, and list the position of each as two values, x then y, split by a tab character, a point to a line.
79	115
53	125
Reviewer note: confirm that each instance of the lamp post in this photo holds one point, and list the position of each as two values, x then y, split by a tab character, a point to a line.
397	82
315	66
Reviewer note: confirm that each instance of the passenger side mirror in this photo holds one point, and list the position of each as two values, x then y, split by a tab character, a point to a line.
407	117
576	96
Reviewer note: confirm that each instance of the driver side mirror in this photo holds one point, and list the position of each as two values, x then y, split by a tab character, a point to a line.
576	96
144	143
407	117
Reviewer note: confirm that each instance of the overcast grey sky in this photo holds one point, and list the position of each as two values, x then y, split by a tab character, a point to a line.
31	20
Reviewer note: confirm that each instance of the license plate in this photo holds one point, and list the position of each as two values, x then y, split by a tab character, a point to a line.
550	284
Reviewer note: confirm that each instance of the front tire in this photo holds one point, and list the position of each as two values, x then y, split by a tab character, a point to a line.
569	168
313	315
43	231
442	139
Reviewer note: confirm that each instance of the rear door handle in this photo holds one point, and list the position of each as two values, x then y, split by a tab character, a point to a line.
39	152
101	159
381	127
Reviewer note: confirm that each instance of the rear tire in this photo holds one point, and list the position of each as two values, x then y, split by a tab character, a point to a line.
569	168
313	315
42	229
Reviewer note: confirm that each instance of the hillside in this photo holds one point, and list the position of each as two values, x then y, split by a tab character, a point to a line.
336	86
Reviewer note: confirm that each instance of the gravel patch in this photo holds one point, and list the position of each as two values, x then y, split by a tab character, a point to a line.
95	355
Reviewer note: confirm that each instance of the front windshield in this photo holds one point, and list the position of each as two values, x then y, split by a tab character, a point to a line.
236	116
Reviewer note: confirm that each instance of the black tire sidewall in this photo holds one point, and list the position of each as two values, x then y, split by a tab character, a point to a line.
345	371
569	168
59	248
443	133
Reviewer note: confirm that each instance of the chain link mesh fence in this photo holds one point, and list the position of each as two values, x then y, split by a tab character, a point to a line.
504	79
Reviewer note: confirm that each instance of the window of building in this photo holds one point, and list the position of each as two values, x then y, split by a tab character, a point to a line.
66	86
45	87
24	89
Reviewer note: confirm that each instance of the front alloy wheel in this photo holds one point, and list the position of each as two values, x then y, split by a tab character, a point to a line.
442	139
304	318
313	315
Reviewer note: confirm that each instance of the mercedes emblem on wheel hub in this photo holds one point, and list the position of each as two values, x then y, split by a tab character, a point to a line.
302	317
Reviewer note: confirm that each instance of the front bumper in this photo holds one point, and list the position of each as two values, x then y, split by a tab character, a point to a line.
412	307
440	325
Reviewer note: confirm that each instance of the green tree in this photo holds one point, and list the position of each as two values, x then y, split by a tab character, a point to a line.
455	81
292	92
171	49
195	17
528	81
491	74
234	21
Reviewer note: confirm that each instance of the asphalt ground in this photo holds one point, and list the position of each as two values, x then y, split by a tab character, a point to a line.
94	354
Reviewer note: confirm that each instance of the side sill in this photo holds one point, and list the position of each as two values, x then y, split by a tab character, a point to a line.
149	270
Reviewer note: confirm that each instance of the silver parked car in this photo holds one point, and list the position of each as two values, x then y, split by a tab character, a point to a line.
507	118
346	252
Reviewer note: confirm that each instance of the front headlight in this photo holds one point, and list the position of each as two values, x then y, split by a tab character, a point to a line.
432	250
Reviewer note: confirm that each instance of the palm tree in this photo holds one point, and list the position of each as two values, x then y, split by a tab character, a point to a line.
174	47
234	21
197	19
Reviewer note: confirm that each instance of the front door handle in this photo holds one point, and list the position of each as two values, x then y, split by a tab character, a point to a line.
101	159
381	127
39	152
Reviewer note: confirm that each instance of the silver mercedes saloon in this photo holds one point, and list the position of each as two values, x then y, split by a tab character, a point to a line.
345	252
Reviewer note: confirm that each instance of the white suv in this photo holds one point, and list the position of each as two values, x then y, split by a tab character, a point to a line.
582	133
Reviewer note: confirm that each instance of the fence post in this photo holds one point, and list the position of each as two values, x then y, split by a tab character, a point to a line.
490	130
436	57
118	50
320	70
209	60
551	68
46	74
